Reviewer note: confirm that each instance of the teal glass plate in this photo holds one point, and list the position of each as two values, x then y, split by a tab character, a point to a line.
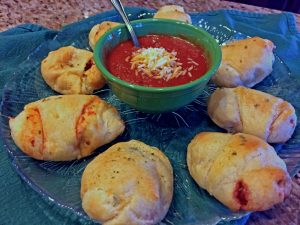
59	182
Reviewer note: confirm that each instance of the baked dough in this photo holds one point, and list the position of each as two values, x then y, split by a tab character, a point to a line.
130	183
67	127
99	30
174	12
240	170
69	70
253	112
245	62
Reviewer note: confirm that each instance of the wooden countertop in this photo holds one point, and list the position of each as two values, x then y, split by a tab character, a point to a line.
53	14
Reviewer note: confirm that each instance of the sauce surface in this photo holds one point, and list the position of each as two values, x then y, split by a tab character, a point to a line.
191	58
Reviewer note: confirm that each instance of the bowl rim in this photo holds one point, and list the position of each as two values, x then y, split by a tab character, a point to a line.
182	87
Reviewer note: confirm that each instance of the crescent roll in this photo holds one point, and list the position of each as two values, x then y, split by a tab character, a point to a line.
253	112
99	30
240	170
245	62
69	70
174	12
67	127
130	183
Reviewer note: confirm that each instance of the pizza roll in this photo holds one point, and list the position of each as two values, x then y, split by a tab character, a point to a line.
69	70
130	183
174	12
253	112
240	170
245	62
99	30
67	127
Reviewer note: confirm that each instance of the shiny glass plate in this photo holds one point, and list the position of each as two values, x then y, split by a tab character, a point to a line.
59	182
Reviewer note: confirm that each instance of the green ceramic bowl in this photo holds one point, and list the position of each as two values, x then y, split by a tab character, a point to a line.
150	99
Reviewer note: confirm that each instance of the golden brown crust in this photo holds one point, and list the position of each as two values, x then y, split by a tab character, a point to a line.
173	12
99	30
31	140
69	70
171	8
67	127
130	183
243	54
284	124
245	62
240	170
223	109
257	111
276	186
200	164
253	112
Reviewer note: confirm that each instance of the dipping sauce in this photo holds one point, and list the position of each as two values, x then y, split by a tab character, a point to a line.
162	61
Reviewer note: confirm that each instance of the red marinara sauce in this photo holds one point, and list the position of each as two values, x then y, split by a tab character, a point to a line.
192	59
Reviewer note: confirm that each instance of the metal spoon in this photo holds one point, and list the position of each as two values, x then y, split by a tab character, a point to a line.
119	7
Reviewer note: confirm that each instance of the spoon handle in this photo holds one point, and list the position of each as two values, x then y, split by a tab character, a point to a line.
119	7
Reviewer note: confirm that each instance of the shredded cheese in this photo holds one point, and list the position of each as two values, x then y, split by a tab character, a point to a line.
157	63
